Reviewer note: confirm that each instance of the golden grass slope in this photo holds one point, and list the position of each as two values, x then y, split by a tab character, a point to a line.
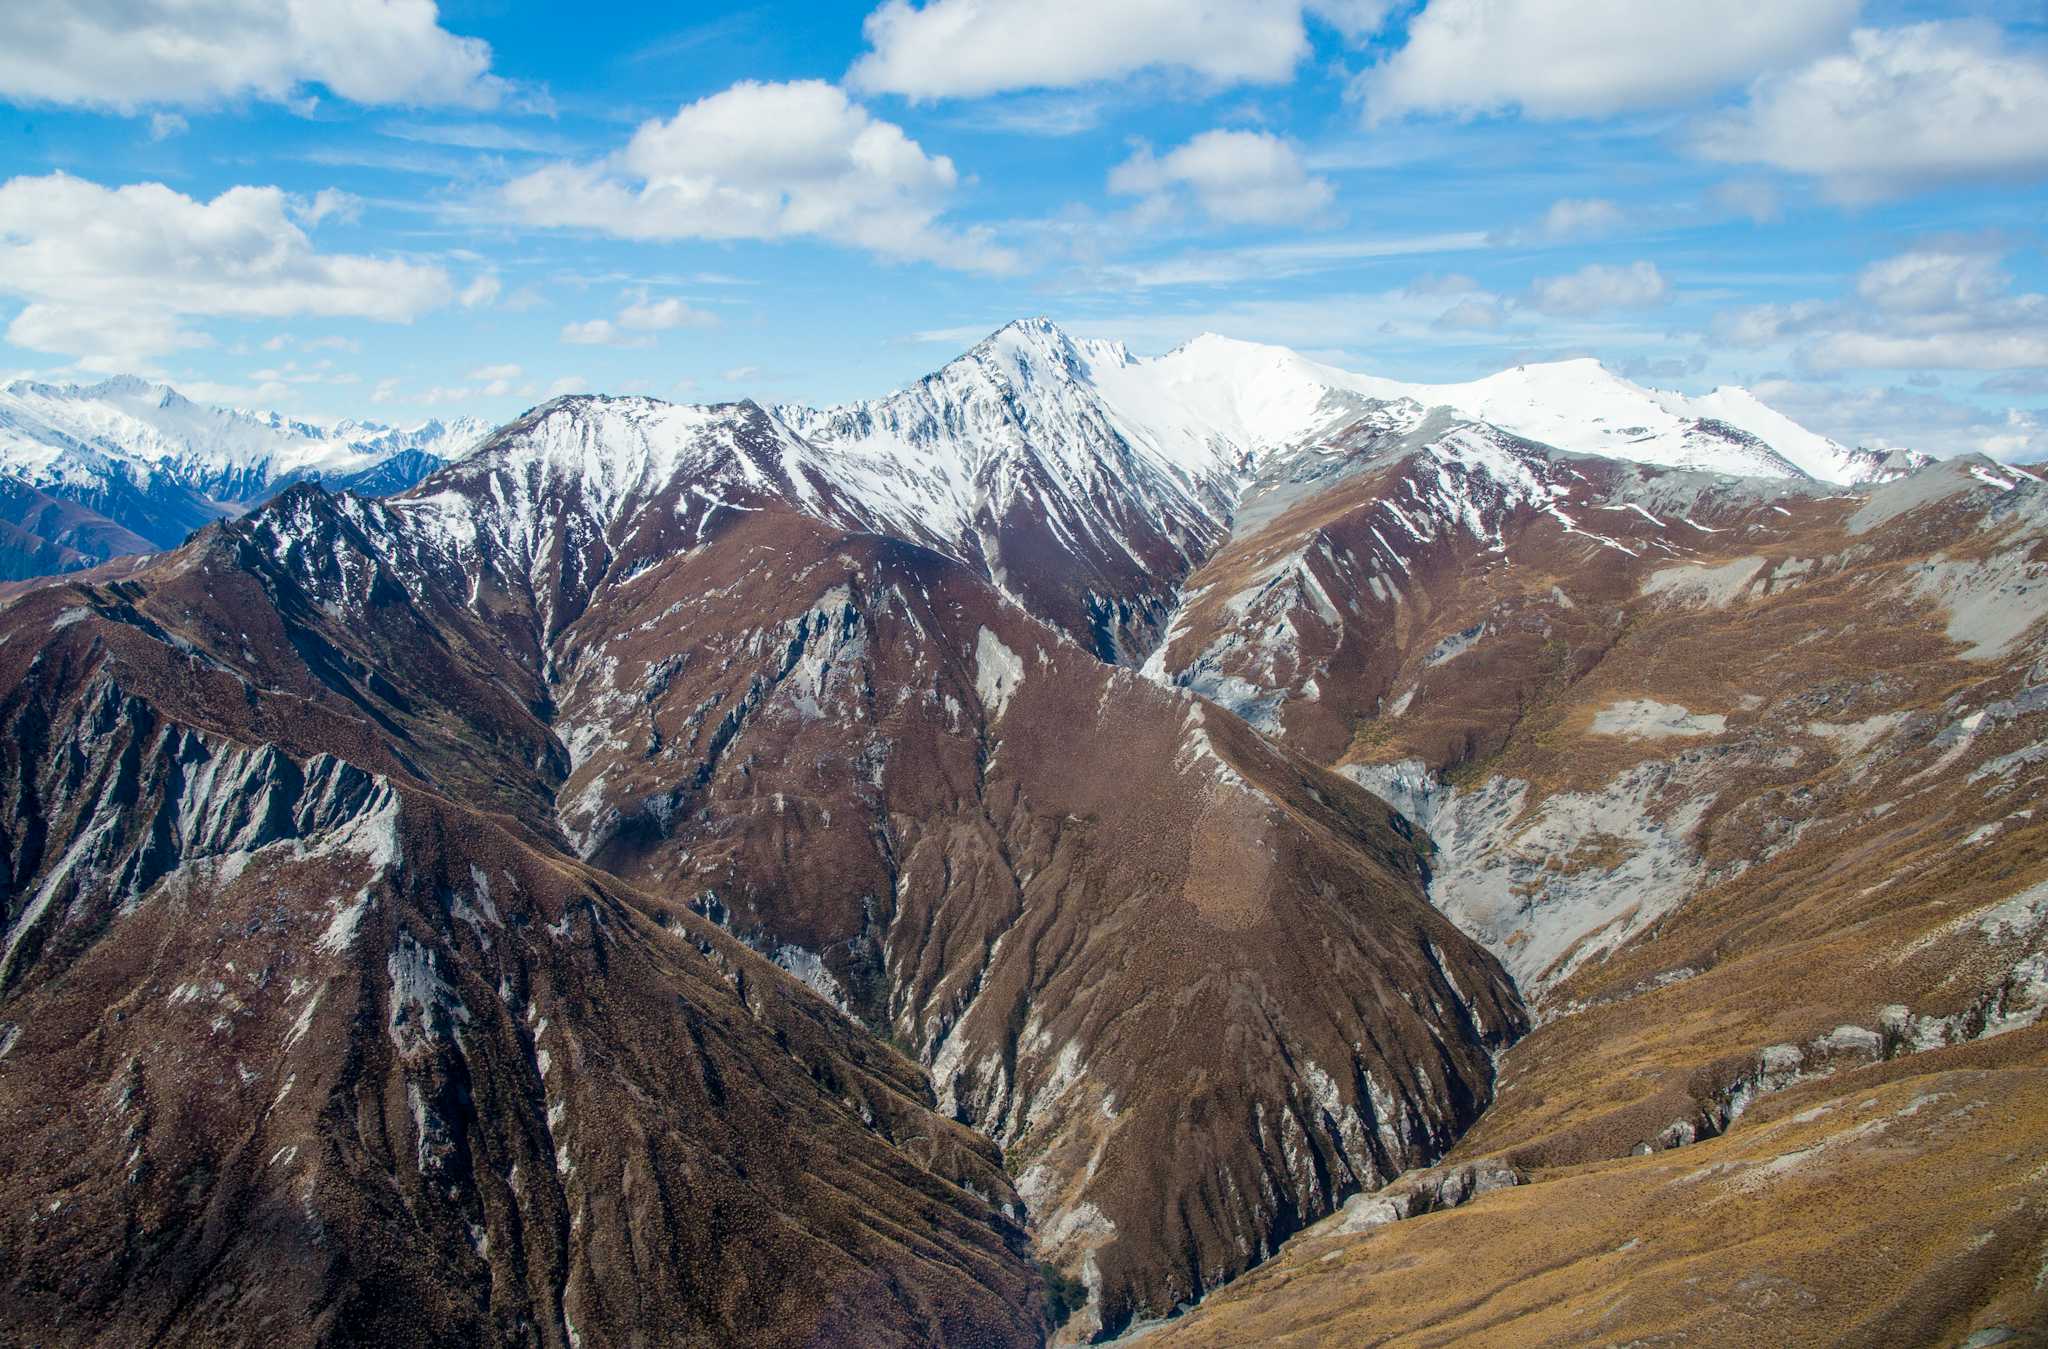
1903	1204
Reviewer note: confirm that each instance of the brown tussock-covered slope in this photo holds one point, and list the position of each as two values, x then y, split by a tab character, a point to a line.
1901	1204
1768	815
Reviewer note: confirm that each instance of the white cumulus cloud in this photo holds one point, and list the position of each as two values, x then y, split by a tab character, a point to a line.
111	274
1900	109
1241	177
635	324
1598	287
490	372
1591	58
1582	217
765	161
128	54
495	381
969	48
481	291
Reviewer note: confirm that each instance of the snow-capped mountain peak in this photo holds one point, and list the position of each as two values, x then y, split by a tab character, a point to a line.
606	452
1022	343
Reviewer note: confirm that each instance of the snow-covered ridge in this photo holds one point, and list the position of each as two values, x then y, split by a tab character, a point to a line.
1264	397
1032	445
59	433
1023	417
602	455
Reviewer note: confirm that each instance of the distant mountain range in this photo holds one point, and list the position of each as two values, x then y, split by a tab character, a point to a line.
89	472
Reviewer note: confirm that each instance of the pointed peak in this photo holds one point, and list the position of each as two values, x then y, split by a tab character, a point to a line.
1037	327
1040	335
128	386
1027	348
1037	340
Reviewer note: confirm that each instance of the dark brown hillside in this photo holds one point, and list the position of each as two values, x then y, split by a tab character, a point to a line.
1118	927
299	1051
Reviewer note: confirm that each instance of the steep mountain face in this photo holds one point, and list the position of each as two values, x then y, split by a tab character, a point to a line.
1326	609
139	462
776	876
1011	460
662	641
1060	887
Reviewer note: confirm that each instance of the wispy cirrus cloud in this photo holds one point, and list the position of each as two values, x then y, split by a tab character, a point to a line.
1269	261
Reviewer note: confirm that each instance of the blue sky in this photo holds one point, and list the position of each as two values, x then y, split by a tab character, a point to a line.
393	210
